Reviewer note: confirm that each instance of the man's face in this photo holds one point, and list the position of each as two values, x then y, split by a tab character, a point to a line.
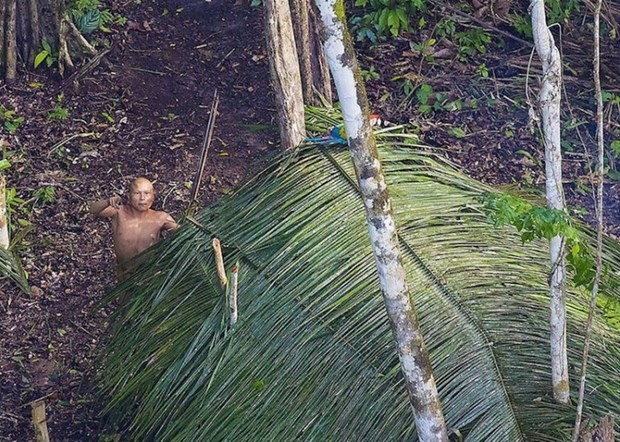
141	195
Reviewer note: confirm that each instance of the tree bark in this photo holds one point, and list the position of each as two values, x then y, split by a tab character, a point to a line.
315	77
25	23
11	41
605	435
285	74
300	20
321	78
414	360
549	102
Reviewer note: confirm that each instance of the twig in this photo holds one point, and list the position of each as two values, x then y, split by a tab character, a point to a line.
66	140
219	262
148	71
599	216
53	393
225	57
194	222
205	148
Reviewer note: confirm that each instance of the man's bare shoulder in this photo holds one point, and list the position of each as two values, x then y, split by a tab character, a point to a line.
166	220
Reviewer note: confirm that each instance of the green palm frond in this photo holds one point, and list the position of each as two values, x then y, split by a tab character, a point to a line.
11	267
312	357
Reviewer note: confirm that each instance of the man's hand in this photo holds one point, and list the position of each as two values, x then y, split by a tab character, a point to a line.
115	202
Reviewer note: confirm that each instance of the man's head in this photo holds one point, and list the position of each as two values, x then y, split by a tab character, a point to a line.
141	194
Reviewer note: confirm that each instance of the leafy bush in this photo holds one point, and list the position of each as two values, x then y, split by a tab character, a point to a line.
382	18
88	18
9	119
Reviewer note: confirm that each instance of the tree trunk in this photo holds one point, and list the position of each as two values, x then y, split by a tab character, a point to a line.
26	23
549	101
321	78
285	75
606	425
315	76
415	364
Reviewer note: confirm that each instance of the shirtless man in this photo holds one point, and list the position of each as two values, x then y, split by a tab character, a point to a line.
135	227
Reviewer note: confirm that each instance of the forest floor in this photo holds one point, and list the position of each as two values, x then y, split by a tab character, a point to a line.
143	110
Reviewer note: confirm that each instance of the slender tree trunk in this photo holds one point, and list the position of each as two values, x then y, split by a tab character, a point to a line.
600	173
11	41
313	66
415	364
285	74
549	101
4	222
321	78
300	19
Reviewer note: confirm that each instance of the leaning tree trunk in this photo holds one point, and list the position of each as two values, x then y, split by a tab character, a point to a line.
315	76
414	360
549	101
26	23
285	73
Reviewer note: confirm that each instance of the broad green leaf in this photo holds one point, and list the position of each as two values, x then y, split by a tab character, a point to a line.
41	56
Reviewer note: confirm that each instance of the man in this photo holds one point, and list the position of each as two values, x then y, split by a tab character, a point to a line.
135	226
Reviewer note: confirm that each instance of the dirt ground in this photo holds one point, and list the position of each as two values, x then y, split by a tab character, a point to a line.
143	110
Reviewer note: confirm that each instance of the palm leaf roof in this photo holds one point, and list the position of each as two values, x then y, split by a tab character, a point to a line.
312	356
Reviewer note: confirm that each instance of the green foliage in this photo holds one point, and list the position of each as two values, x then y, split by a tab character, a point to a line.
536	222
47	55
45	194
58	113
383	18
446	27
482	70
558	11
471	42
9	119
88	17
426	98
370	74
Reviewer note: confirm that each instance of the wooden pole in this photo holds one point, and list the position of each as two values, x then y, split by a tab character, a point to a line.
205	148
219	262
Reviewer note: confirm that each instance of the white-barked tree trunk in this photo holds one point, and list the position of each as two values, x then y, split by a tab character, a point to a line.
414	360
549	102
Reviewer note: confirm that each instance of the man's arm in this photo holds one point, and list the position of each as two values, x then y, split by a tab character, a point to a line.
169	223
106	207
